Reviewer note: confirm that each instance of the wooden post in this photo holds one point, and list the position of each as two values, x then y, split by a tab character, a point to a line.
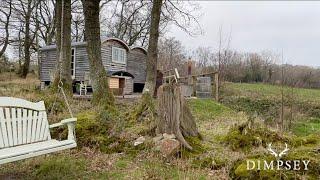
216	79
194	84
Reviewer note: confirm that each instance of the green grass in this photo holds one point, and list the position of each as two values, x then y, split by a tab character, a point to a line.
208	109
272	91
303	105
311	126
61	168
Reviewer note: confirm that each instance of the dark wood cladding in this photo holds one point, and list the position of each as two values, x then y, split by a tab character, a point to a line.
136	65
136	60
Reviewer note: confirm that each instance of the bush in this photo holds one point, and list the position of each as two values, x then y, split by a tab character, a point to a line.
269	109
54	103
249	135
310	140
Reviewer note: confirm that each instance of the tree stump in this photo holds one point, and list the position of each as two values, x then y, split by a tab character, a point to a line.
174	115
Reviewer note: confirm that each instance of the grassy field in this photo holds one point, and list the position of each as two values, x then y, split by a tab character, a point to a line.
260	90
302	106
105	152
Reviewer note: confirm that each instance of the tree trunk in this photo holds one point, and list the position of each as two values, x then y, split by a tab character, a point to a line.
101	91
27	42
152	57
6	27
146	105
174	115
63	39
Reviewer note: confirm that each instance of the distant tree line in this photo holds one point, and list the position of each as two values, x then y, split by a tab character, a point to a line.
234	66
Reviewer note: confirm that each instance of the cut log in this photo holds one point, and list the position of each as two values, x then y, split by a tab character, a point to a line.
174	115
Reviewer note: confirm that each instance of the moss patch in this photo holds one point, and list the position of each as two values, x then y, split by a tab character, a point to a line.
198	147
249	135
240	171
60	168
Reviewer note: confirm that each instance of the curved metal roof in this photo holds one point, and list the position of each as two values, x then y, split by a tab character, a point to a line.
119	40
143	49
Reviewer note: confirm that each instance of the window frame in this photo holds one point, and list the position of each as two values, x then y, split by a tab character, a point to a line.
119	50
73	60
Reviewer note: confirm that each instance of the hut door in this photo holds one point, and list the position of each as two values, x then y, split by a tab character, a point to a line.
128	85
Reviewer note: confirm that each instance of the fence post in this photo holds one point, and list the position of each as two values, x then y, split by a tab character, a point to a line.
216	79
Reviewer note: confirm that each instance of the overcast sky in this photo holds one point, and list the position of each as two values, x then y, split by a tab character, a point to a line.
257	26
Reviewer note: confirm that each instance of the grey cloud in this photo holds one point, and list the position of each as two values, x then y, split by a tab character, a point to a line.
265	25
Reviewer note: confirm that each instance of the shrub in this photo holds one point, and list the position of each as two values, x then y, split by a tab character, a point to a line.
248	135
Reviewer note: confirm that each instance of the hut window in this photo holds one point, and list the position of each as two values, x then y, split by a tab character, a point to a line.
73	63
118	55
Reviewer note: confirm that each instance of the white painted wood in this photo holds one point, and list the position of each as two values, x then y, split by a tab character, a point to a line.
44	126
19	122
29	126
14	126
24	131
46	130
16	102
34	126
3	128
28	148
24	126
1	136
38	149
40	120
1	139
9	126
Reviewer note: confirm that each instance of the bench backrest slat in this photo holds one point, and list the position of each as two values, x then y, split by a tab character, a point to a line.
19	116
1	139
4	134
24	126
22	122
4	129
37	132
9	126
14	126
29	123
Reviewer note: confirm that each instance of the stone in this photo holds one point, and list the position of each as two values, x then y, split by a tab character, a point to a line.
169	147
169	136
138	141
157	139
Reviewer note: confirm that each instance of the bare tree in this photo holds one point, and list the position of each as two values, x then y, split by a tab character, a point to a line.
24	10
152	58
223	49
6	11
77	24
45	16
128	20
203	56
171	54
183	15
101	94
63	34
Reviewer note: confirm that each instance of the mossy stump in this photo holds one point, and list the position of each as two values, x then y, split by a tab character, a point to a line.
174	115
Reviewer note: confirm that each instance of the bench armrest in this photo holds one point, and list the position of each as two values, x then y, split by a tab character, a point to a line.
71	126
70	120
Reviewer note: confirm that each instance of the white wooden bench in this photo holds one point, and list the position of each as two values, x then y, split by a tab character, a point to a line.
24	130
